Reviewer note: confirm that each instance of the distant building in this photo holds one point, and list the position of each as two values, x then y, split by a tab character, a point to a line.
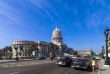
85	52
26	48
57	39
2	53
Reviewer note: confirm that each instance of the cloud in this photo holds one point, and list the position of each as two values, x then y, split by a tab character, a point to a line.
95	19
41	7
47	8
11	14
98	13
10	19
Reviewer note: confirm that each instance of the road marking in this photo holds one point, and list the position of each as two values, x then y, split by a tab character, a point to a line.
5	67
17	71
11	65
14	72
18	65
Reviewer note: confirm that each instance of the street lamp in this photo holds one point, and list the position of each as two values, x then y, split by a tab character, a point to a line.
106	33
102	53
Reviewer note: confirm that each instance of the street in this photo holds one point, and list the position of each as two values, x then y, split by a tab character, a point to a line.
44	68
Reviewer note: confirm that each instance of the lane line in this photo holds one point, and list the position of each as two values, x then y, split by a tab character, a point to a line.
18	65
14	72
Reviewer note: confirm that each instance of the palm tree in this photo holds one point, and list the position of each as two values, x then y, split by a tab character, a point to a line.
29	51
51	47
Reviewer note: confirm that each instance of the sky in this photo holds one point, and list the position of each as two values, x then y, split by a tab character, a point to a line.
82	22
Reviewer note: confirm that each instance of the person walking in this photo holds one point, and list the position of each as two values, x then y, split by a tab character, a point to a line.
51	56
93	64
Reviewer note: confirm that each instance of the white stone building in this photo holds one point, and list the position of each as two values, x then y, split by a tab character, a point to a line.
57	39
20	48
26	48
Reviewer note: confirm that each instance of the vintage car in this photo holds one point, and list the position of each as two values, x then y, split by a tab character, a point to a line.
65	61
82	64
39	57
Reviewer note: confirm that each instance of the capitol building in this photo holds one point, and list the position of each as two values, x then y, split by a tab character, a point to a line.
26	48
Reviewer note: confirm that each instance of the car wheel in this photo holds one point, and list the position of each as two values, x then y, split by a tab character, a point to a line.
59	65
89	68
76	68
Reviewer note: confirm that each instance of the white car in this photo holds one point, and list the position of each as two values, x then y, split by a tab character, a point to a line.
98	58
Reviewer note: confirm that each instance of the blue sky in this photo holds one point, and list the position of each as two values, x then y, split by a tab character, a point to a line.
81	21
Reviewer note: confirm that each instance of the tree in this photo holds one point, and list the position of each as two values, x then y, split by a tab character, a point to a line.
8	52
35	49
75	53
51	46
29	51
7	48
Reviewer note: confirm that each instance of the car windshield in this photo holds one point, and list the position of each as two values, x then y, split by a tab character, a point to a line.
76	60
65	59
83	60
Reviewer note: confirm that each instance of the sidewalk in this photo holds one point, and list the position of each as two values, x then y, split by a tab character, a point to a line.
103	69
3	61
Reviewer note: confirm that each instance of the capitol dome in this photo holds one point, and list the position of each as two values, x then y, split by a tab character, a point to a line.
56	33
56	36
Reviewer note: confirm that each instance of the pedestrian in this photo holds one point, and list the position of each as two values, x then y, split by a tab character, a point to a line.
93	64
51	56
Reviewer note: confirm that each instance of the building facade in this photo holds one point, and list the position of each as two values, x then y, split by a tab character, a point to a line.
57	37
43	48
26	48
85	52
22	48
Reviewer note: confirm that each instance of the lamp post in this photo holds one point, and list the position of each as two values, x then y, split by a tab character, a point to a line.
106	33
102	53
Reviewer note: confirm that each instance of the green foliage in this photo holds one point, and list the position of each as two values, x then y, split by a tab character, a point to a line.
51	45
7	48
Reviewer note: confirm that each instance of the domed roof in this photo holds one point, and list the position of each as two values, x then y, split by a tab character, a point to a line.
56	33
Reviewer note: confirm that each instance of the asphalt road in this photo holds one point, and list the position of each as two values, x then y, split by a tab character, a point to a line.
47	68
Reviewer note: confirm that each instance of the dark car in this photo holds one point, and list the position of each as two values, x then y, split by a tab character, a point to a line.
82	64
41	58
65	61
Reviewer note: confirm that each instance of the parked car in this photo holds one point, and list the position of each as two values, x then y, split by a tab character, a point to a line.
82	64
41	58
98	58
65	61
